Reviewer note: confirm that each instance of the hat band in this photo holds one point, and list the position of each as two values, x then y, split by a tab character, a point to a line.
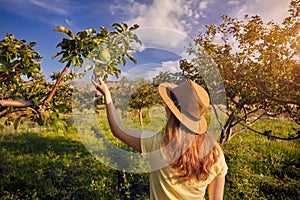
175	100
181	109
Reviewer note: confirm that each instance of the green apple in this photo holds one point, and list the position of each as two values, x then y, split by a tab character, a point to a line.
98	71
105	55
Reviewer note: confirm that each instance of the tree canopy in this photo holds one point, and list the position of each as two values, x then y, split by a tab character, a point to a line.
259	64
24	90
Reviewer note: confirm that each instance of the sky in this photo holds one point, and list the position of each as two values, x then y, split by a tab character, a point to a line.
166	26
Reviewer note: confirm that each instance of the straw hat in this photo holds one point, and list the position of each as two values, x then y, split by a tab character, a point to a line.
188	102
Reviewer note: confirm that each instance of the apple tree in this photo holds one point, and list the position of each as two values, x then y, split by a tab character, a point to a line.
259	64
26	93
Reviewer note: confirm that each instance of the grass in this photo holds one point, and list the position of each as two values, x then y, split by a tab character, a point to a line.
260	168
49	165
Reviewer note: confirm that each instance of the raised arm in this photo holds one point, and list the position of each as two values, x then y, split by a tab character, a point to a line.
128	136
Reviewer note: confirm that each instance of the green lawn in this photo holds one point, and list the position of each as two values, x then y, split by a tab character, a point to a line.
50	165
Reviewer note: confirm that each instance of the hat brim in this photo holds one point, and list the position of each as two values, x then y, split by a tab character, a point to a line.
196	126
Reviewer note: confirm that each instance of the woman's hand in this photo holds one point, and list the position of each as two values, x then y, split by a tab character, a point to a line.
101	86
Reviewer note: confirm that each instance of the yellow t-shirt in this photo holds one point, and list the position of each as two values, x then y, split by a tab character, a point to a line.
164	182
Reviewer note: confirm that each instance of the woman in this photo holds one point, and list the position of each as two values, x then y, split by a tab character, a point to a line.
194	160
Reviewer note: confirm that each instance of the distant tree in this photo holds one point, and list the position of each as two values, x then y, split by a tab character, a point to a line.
140	94
121	95
143	96
259	64
168	77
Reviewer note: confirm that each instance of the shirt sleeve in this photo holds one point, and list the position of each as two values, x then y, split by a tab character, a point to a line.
222	167
150	141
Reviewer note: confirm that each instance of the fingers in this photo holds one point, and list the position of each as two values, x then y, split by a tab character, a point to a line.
99	84
95	81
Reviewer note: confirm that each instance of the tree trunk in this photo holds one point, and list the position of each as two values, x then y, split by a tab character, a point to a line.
141	117
227	129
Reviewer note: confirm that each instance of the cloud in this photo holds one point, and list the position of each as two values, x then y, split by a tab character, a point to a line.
48	12
34	8
162	38
165	24
50	6
177	15
275	10
150	70
168	66
68	22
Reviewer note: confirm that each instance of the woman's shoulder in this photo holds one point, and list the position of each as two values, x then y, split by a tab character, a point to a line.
150	141
220	165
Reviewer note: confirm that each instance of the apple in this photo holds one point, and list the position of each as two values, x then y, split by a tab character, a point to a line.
105	55
98	71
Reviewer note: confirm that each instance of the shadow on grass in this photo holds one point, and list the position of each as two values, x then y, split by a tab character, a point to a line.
47	166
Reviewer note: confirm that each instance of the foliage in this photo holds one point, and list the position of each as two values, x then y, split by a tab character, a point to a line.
82	99
259	64
24	91
104	49
23	84
143	97
136	96
17	58
168	77
121	95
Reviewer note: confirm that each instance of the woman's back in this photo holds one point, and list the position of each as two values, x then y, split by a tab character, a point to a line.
166	182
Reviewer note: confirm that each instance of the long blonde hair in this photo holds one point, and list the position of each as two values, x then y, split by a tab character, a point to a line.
187	150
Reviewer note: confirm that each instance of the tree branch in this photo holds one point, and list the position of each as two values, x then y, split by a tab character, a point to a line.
3	111
217	117
267	133
8	76
250	124
16	103
277	99
64	71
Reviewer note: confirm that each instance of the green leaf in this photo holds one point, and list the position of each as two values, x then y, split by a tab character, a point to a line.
62	107
88	67
60	125
3	68
125	26
36	102
118	27
32	44
89	31
82	34
65	30
65	58
131	58
135	26
79	62
74	61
